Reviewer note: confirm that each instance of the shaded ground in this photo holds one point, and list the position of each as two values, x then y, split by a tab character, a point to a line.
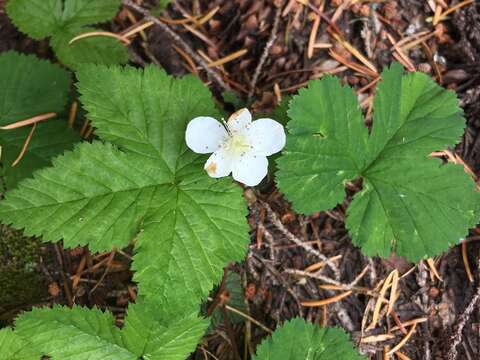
432	296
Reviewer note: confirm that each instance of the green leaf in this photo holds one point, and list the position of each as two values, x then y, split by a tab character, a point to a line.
236	299
325	146
14	348
30	87
50	139
410	204
77	333
189	225
43	18
96	50
62	20
299	340
163	341
82	333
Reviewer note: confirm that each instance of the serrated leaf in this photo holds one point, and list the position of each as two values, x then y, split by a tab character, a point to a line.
325	146
409	204
77	333
81	333
30	87
189	225
49	140
12	347
161	341
299	340
236	299
62	20
42	18
95	50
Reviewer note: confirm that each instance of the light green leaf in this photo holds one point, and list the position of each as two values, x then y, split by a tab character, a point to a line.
325	146
409	204
82	333
299	340
42	18
30	87
189	226
12	347
95	50
77	333
62	20
50	139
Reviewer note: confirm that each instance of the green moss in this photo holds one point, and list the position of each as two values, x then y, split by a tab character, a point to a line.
21	284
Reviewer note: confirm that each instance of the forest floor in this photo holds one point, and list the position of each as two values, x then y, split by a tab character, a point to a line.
260	52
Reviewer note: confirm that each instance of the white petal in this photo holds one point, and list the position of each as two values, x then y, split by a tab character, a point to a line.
219	164
240	120
250	169
204	135
267	136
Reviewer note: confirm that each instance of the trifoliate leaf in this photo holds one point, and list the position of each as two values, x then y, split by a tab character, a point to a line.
96	50
190	226
12	347
82	333
410	203
31	87
299	340
62	20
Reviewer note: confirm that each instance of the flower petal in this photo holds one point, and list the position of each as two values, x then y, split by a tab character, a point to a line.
250	169
219	164
267	136
204	135
239	121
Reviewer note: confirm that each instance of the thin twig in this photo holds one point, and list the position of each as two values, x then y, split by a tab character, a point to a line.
214	75
457	337
266	51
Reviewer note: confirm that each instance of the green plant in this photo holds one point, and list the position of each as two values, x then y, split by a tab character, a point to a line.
63	20
31	87
410	204
81	333
299	340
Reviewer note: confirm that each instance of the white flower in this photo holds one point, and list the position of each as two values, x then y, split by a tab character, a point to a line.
239	146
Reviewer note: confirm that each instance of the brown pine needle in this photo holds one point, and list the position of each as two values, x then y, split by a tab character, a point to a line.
120	38
191	65
356	53
25	145
321	264
138	28
313	34
411	45
208	16
410	322
72	114
377	338
354	66
228	58
393	292
84	128
403	341
433	269
29	121
381	298
465	262
316	303
452	9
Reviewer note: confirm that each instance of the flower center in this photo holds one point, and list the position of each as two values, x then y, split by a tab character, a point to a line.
236	143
